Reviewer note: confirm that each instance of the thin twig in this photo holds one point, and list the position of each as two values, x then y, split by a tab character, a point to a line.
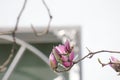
3	66
91	54
17	21
49	23
110	62
103	64
19	16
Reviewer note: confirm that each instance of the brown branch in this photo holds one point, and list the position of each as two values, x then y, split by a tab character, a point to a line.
49	23
3	66
17	22
103	64
91	54
110	62
114	65
19	16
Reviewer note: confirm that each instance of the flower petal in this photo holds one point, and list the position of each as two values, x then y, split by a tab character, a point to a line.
116	66
67	64
61	49
64	58
67	45
113	59
53	62
71	56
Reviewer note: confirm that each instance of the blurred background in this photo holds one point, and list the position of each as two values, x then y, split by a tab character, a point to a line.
99	21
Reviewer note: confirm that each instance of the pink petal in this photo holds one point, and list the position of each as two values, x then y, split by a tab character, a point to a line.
71	56
57	50
61	49
53	62
67	64
64	58
113	59
67	45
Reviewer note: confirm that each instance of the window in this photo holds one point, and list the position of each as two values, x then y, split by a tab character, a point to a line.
30	65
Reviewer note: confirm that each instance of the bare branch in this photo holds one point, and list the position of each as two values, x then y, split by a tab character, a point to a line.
17	22
103	64
91	54
19	16
49	13
3	66
49	23
18	19
114	65
110	62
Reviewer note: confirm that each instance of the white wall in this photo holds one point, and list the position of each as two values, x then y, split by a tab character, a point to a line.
99	19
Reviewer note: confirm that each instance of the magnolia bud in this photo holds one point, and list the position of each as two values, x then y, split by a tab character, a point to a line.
62	54
115	64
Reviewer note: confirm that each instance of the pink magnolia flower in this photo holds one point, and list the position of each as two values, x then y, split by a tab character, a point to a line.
115	64
62	54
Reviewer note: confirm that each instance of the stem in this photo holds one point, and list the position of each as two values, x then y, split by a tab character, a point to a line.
91	54
49	23
3	66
